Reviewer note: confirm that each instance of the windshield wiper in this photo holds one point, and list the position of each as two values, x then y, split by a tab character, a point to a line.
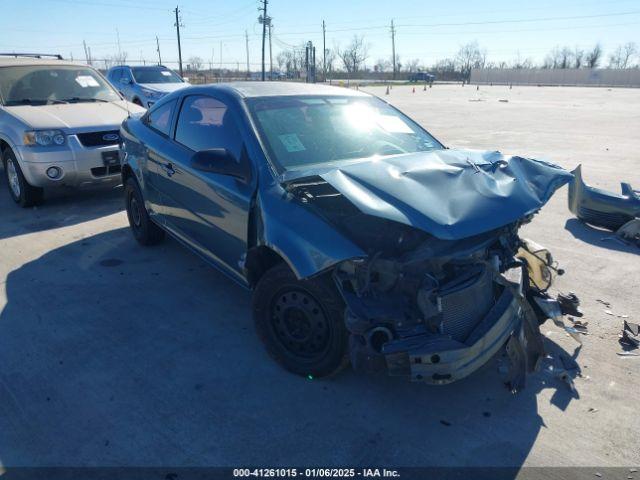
30	101
78	99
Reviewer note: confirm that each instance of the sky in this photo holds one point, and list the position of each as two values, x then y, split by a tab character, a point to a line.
215	29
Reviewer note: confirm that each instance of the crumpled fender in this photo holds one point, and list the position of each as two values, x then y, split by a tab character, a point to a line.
305	241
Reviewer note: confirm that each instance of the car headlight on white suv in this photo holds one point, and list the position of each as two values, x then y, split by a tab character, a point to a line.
44	138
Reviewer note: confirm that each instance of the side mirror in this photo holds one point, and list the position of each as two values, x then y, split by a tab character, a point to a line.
222	162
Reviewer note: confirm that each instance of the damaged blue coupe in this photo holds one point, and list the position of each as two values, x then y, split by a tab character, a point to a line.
362	236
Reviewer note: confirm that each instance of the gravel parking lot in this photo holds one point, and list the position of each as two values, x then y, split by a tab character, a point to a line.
113	354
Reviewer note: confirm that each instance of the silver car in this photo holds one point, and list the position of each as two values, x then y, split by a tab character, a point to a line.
59	125
145	85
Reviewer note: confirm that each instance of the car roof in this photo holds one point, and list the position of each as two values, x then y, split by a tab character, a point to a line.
277	89
28	61
147	67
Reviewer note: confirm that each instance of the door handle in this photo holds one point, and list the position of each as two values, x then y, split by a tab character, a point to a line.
168	168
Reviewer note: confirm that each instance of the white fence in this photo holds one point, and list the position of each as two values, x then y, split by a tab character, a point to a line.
565	76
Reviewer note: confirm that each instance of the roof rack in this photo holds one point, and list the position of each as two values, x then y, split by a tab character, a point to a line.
32	55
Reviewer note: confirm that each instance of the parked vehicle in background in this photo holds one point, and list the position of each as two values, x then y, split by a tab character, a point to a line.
422	77
145	85
59	126
361	235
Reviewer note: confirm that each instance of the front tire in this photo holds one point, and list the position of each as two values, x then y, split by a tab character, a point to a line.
144	230
301	322
21	191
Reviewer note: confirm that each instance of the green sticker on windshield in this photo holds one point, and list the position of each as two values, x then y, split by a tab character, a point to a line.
291	142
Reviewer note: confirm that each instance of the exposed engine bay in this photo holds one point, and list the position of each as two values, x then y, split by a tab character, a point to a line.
436	310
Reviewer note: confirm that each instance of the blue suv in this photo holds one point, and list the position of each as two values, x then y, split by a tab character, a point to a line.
145	85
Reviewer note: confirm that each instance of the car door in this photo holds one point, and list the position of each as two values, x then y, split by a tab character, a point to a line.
208	210
125	83
157	149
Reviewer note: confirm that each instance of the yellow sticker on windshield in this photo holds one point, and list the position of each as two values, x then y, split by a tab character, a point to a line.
291	142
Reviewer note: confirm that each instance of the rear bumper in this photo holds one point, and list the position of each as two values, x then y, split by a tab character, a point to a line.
80	166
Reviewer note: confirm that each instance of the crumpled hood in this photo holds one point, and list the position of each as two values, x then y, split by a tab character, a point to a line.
164	87
451	194
72	117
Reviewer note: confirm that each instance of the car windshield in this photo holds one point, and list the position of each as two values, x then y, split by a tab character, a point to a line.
46	84
155	75
303	131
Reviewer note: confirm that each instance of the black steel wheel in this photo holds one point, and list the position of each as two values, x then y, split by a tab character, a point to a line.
301	322
144	230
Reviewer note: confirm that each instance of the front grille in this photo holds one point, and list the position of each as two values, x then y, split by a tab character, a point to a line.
610	220
464	308
96	139
102	171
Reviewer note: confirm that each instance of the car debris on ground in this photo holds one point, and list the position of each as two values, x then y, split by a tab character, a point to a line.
613	211
630	337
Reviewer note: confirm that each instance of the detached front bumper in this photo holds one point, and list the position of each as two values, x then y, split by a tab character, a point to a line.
600	207
79	166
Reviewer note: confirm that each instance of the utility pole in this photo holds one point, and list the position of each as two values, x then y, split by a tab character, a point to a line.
86	52
393	48
263	20
90	59
246	38
119	49
270	54
158	50
177	25
324	52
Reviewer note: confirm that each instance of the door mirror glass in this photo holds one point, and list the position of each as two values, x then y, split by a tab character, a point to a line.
222	162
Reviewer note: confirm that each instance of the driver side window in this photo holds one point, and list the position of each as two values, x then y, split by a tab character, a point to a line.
205	123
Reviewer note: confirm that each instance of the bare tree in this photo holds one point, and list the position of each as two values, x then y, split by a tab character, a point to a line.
116	59
292	61
355	54
468	57
521	63
330	56
578	57
382	65
593	57
413	65
195	62
629	50
622	55
566	56
552	59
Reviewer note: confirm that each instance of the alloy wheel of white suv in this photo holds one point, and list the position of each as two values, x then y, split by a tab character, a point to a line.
22	193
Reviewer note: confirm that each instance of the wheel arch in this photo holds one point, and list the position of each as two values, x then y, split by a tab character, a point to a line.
259	260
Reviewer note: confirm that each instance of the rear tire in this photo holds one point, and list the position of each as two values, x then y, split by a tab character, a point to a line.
301	322
144	230
21	191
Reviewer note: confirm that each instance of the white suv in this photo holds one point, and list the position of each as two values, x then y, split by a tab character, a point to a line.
59	126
